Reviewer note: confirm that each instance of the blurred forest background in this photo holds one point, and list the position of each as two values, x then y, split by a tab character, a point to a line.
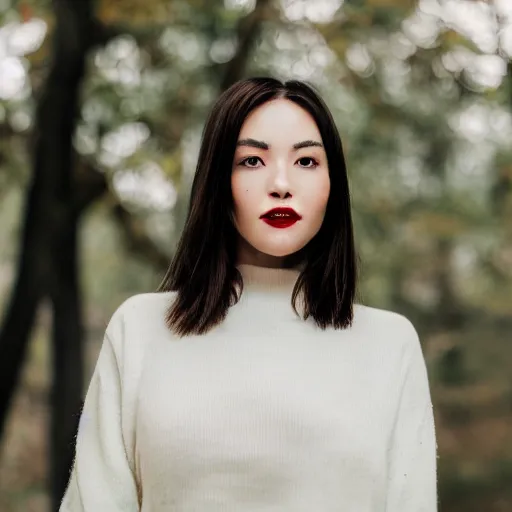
101	109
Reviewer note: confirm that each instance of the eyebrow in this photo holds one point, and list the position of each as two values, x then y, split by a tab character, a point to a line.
263	145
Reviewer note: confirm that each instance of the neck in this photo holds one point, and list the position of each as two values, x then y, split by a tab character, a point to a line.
269	279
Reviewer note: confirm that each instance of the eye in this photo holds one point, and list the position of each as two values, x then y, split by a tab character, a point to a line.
251	161
305	160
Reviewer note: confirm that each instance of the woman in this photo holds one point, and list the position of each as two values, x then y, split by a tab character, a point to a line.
251	381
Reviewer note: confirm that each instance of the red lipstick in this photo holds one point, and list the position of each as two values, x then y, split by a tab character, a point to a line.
281	217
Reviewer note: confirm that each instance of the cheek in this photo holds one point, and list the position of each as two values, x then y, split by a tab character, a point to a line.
241	196
236	189
321	196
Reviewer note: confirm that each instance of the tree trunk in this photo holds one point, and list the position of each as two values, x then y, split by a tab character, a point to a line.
68	371
48	263
27	291
73	40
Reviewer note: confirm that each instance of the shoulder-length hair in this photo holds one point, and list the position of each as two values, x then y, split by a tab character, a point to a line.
203	271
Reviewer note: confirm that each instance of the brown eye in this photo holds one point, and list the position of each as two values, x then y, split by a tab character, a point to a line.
251	161
307	161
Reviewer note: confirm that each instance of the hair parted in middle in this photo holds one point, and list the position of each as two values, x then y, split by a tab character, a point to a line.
203	271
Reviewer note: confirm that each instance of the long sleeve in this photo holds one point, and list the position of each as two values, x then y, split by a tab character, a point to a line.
412	477
101	479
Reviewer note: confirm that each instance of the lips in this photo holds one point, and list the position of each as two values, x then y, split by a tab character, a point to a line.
281	217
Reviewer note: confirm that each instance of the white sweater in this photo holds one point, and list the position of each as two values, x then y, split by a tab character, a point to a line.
266	413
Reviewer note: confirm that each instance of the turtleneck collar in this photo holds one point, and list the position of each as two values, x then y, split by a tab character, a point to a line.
269	279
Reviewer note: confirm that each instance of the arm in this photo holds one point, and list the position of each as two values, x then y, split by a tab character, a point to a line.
101	478
412	476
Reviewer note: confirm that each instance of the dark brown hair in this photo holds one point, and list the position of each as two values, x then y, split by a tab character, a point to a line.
203	271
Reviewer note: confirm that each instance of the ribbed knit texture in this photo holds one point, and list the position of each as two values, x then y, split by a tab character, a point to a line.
265	413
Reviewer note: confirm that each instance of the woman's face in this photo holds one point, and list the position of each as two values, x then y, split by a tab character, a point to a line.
279	162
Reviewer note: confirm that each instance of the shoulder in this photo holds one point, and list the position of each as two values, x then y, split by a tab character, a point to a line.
144	303
140	313
393	338
386	326
382	319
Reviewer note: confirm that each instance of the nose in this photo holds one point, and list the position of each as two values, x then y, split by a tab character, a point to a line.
280	186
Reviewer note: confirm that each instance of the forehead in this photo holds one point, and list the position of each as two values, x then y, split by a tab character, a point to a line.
280	119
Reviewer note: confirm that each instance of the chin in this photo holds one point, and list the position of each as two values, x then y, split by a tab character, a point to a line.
281	252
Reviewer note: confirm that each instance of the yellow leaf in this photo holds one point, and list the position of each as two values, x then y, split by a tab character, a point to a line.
132	11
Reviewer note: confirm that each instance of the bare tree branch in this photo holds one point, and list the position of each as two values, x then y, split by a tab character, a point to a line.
137	239
90	184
